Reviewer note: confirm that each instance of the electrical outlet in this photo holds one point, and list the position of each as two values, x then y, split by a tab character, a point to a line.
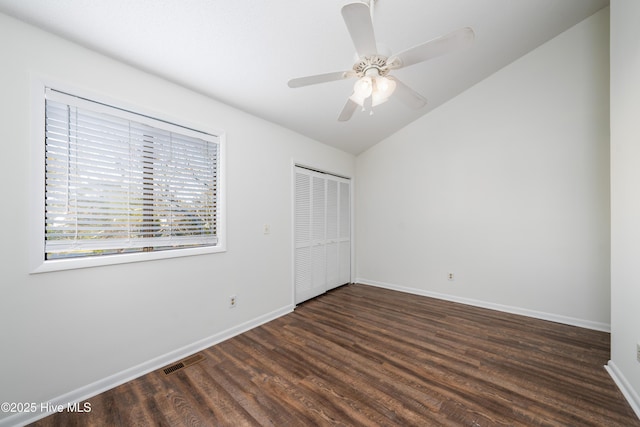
233	300
266	229
450	277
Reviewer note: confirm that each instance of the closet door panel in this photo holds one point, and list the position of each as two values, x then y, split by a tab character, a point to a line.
303	286
322	233
344	232
303	256
344	262
333	273
318	234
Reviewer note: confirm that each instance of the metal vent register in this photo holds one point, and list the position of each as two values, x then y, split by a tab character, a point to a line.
184	363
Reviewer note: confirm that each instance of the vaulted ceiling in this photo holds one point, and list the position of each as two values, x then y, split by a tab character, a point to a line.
243	52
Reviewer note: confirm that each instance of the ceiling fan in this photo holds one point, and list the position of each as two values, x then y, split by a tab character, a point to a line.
374	85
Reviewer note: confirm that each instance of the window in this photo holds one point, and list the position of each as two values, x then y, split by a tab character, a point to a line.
122	187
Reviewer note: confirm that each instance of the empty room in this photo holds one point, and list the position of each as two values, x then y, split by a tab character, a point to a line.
377	212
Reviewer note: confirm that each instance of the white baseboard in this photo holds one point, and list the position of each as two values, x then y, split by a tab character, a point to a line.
83	393
624	386
588	324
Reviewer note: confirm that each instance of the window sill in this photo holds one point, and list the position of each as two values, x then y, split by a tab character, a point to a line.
97	261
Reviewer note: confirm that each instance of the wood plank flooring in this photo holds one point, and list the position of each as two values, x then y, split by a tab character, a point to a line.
364	356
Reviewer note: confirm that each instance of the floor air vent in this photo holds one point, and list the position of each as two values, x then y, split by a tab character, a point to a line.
184	363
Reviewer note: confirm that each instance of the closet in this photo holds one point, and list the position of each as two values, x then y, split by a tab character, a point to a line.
322	233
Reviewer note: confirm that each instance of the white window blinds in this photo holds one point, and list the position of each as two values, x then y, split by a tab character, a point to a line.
119	182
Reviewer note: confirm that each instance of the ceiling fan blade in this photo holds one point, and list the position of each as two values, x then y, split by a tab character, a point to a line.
408	96
347	111
320	78
357	17
435	47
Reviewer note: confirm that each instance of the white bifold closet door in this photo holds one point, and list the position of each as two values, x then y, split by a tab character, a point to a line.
322	233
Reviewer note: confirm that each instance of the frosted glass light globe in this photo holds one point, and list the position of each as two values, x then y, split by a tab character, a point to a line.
363	87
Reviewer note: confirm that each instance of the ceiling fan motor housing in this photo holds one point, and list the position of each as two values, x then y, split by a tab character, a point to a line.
375	65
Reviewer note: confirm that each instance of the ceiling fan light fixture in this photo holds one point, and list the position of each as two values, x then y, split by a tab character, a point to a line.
384	87
378	88
377	99
363	87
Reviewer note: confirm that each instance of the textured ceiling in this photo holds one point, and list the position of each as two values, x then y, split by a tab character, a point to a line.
243	52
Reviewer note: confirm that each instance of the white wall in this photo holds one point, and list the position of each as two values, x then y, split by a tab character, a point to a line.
63	331
625	196
506	186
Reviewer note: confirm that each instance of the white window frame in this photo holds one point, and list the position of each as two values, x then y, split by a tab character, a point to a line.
37	261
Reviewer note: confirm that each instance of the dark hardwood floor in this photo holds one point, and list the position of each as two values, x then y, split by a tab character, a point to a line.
361	355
